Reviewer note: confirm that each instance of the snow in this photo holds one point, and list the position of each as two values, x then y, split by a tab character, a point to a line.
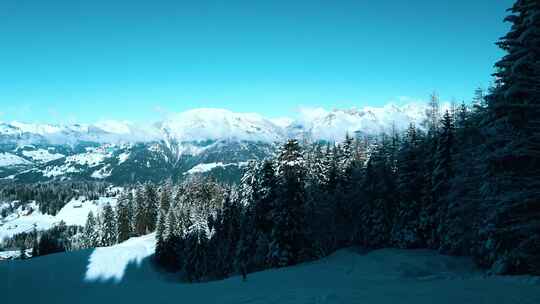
8	160
322	124
54	171
102	173
93	157
110	263
42	155
202	168
218	124
25	221
75	212
41	129
14	254
124	274
203	124
123	157
103	131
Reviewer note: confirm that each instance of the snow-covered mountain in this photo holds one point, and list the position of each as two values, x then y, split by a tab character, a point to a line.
320	124
217	124
218	141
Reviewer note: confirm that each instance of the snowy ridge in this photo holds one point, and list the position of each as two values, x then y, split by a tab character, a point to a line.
205	124
211	124
320	124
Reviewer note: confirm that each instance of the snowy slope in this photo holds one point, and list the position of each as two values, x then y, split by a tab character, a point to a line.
42	155
124	274
207	167
9	160
74	212
110	263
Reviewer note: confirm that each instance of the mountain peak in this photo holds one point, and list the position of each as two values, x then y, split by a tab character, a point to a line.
203	124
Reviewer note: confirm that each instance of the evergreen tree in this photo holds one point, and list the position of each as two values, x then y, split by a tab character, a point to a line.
165	196
91	235
512	127
441	178
108	231
405	232
123	218
288	243
140	214
160	236
152	205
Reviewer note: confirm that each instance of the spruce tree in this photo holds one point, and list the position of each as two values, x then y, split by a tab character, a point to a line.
152	206
405	231
122	218
160	236
165	196
511	233
108	231
90	231
140	214
288	243
441	179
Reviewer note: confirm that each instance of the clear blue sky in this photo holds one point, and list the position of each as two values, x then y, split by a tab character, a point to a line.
88	60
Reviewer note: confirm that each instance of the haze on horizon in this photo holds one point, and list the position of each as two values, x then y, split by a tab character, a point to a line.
64	61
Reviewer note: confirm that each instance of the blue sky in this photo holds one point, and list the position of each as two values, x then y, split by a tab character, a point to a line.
63	61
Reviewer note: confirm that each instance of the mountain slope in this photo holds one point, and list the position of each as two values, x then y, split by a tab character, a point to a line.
381	276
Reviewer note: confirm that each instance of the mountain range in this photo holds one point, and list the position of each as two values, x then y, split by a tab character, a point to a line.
196	141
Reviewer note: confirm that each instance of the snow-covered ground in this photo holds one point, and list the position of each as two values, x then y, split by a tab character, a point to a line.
108	263
123	274
74	212
202	168
14	254
9	159
42	155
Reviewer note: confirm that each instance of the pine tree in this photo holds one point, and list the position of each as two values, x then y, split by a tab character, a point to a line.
165	196
90	232
140	214
511	233
288	243
441	178
123	218
405	231
433	113
347	153
152	206
108	231
479	99
160	236
443	170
